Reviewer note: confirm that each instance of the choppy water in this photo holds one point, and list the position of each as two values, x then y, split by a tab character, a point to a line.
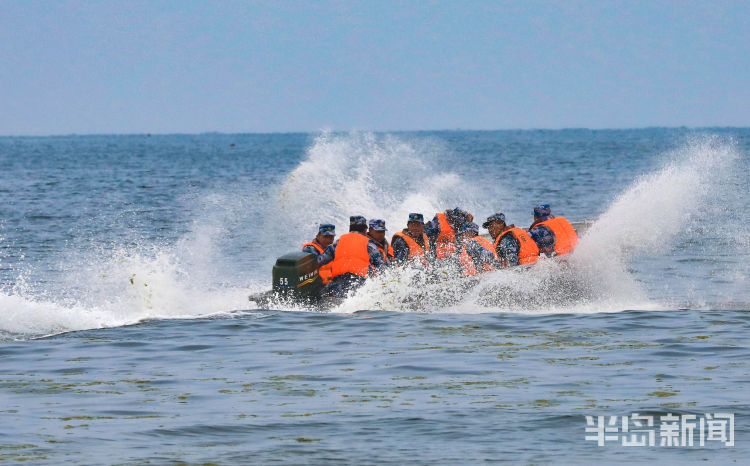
126	335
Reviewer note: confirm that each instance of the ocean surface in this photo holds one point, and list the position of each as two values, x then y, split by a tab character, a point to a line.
127	335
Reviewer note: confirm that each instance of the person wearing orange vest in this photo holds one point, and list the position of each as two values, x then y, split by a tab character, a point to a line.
324	238
352	258
412	242
477	254
442	231
513	245
555	236
377	234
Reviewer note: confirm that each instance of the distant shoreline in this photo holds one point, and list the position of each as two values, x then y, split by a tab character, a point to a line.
399	131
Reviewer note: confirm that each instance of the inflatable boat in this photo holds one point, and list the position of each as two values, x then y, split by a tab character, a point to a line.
295	280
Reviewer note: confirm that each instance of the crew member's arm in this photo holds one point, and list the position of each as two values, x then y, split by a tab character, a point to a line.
400	249
311	250
480	256
507	250
327	255
544	238
432	229
389	251
376	257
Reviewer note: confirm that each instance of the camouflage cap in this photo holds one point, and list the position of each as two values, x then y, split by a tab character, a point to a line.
542	210
327	229
498	217
469	226
377	224
458	213
357	220
416	218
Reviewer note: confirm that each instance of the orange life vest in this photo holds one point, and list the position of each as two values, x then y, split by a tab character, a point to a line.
315	245
415	250
468	264
566	237
351	255
387	256
325	270
445	243
529	251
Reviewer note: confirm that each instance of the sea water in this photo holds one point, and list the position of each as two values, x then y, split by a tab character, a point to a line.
127	336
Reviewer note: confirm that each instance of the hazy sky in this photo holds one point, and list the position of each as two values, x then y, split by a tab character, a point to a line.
268	66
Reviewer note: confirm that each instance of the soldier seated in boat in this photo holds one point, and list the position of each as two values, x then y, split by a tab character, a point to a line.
352	258
377	235
442	229
513	245
324	238
554	236
412	242
477	254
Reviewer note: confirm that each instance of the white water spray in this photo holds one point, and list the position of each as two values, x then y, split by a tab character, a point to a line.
375	176
645	219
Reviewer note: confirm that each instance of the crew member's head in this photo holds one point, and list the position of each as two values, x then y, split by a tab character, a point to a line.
326	234
542	212
468	230
377	229
495	224
415	225
459	216
357	223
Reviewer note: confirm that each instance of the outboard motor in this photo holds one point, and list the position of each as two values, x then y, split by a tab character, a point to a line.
295	276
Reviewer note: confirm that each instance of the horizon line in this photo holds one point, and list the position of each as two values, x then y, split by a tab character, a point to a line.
339	131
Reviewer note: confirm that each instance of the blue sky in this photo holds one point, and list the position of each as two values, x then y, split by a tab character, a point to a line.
279	66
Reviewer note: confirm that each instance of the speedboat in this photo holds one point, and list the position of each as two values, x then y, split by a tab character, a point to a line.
295	280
